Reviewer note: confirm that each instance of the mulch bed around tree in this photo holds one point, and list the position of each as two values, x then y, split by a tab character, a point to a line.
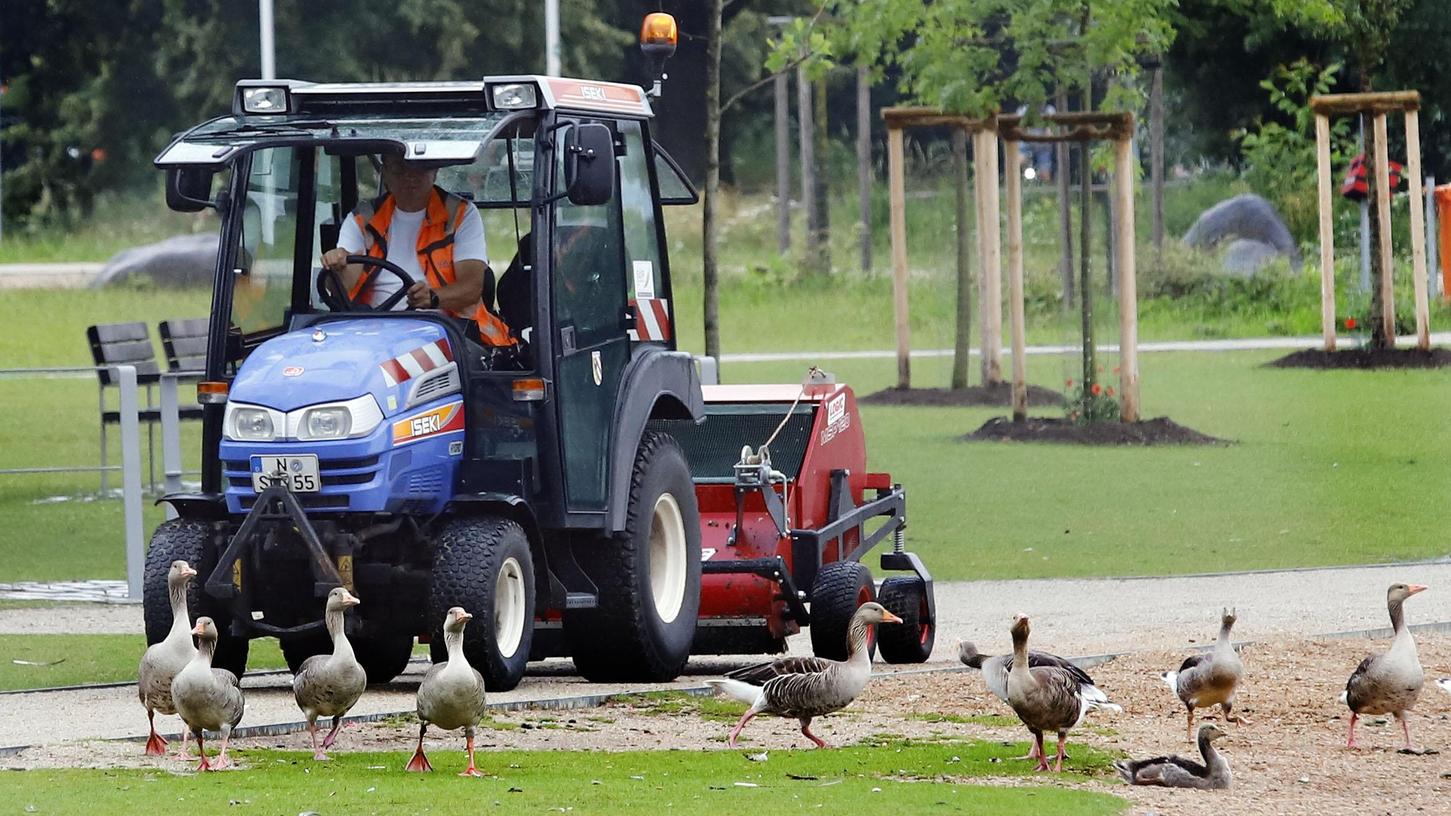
1365	359
996	396
1159	431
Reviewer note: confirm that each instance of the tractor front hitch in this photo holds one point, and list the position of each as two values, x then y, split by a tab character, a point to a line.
274	504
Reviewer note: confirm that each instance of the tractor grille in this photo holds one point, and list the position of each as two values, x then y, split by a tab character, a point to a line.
334	472
714	447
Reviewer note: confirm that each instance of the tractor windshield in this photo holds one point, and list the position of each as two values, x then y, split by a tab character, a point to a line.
299	179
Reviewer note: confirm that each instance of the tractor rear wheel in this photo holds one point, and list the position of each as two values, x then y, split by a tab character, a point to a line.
648	576
910	641
840	588
187	540
483	564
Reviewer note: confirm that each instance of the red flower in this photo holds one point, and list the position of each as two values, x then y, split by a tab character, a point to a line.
1070	382
1350	323
1110	390
1097	389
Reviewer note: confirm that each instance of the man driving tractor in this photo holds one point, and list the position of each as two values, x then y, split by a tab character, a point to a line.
434	235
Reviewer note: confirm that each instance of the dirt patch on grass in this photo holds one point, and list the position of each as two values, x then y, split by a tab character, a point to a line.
1365	359
996	396
1159	431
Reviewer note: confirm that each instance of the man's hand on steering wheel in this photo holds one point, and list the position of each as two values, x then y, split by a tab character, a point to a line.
336	261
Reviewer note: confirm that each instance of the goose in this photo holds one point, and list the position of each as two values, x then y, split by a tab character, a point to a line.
1388	682
451	695
163	660
1177	772
328	685
1046	698
1210	678
995	670
208	699
806	687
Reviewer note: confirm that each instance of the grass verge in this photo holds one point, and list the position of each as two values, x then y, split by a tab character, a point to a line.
902	778
92	659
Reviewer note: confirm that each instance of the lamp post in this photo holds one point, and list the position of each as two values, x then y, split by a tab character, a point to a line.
269	62
551	37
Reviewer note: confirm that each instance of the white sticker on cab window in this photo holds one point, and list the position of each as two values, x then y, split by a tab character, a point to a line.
644	279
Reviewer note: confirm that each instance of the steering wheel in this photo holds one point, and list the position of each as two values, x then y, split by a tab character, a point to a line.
339	297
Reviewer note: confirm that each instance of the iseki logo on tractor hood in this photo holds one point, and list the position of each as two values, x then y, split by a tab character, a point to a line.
433	422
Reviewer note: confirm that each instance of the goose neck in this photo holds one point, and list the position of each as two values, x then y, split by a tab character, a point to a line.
856	642
336	628
180	621
1020	652
1398	616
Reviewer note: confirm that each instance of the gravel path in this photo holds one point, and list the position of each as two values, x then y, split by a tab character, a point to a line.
1289	758
1072	617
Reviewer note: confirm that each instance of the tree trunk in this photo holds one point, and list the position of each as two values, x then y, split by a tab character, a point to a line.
1380	333
783	162
962	346
1062	164
806	147
864	163
819	193
710	262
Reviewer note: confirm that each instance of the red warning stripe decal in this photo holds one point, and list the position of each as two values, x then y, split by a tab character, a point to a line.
418	361
652	320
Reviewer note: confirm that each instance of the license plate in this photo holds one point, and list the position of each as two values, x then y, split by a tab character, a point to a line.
296	473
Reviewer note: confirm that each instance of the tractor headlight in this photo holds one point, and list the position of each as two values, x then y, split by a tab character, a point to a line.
247	423
335	420
264	100
326	423
515	96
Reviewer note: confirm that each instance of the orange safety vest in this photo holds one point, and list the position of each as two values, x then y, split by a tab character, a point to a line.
435	252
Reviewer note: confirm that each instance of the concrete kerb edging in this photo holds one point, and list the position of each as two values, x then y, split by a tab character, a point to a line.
595	700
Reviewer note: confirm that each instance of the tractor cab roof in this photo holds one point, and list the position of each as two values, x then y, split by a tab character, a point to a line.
437	122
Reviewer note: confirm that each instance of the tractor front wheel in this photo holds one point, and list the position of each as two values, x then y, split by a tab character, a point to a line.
648	576
911	641
840	588
187	540
484	565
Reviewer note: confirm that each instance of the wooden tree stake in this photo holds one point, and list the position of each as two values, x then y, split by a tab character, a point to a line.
1013	174
898	193
1418	231
993	270
1128	309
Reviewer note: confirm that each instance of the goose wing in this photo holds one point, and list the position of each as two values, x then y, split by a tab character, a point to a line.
1043	660
759	674
1361	687
1053	703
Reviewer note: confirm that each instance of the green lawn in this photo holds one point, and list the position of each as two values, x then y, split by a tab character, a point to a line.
93	659
895	777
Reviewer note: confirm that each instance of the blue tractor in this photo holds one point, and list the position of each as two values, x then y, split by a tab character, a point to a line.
544	484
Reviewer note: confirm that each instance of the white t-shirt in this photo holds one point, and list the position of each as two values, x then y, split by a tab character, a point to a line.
468	244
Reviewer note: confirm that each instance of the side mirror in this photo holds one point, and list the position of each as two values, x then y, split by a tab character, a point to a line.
589	165
189	189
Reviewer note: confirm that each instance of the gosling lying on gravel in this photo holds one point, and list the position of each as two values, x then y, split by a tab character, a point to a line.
1175	771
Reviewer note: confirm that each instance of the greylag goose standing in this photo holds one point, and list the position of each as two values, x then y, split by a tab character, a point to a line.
1046	698
995	670
451	694
1175	771
208	699
1209	678
807	687
1388	682
163	660
328	685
